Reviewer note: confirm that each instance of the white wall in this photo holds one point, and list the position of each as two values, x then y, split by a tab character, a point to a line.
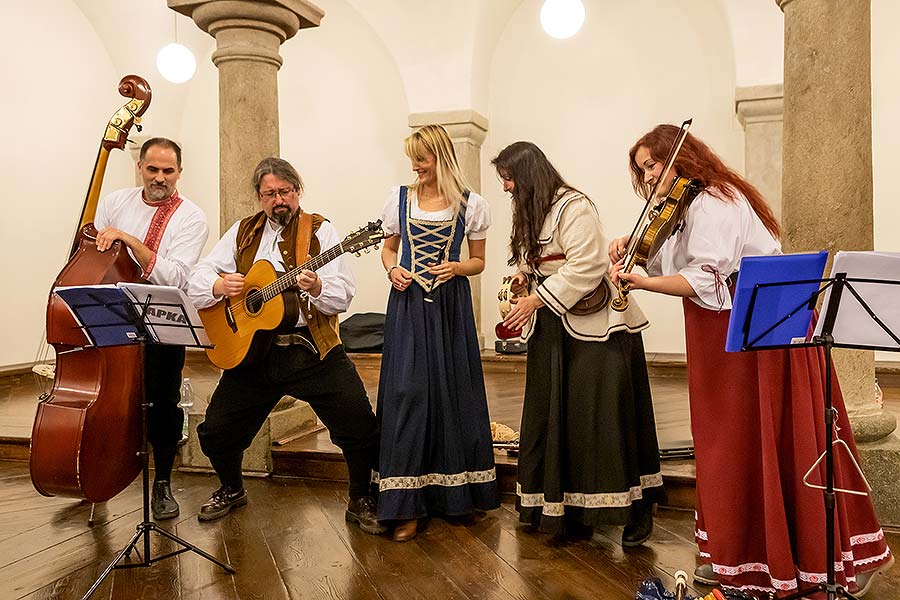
346	90
57	98
585	100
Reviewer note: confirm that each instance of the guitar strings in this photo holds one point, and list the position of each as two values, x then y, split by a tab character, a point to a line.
285	281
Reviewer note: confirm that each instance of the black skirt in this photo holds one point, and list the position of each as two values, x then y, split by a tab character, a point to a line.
588	447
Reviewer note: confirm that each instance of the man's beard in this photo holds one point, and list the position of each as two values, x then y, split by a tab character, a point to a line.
156	193
281	217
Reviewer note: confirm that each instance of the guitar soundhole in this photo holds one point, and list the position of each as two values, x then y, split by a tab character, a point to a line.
254	301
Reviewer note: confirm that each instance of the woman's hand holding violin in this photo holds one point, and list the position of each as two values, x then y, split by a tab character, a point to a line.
634	280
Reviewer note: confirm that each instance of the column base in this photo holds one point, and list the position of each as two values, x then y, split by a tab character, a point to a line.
881	464
290	419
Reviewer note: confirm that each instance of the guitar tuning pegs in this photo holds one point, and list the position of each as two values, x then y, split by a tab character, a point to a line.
357	254
139	127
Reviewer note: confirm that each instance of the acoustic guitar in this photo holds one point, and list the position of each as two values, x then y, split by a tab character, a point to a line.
241	327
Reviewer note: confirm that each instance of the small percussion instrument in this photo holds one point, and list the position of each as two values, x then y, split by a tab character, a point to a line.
505	294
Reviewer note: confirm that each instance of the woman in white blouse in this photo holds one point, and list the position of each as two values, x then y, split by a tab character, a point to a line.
436	453
756	417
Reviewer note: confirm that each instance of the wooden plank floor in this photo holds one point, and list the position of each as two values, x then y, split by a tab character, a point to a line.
291	542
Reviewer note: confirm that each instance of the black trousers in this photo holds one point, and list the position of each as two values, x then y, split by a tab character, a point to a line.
332	387
163	366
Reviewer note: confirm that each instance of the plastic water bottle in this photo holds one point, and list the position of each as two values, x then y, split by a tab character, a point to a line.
187	401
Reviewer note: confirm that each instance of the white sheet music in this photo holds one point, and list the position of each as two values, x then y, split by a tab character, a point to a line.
165	319
853	324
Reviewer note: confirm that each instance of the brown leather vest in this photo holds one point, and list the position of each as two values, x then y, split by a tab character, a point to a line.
324	328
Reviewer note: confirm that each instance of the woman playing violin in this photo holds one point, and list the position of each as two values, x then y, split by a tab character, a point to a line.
756	417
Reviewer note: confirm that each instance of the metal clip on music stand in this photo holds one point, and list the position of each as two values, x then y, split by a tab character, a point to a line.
127	314
774	306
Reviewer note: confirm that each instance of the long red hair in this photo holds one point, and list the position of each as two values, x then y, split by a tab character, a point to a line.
697	161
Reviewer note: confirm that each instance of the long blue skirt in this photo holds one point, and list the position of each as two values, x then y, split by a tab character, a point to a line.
436	453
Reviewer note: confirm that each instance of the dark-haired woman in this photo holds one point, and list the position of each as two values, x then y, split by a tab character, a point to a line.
756	417
588	450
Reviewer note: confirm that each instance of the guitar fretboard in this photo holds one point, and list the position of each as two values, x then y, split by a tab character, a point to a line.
289	279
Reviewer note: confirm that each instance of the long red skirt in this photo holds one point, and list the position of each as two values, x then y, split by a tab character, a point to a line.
758	424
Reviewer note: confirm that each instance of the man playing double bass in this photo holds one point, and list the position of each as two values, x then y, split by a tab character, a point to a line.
165	233
306	359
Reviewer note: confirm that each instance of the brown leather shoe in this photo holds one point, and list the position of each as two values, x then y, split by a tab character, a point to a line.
406	530
221	503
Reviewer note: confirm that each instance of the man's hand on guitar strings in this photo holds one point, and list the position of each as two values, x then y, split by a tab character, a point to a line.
229	285
309	282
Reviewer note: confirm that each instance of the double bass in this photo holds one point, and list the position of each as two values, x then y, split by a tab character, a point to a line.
86	439
659	219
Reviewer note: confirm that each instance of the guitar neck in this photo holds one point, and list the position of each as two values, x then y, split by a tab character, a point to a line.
289	279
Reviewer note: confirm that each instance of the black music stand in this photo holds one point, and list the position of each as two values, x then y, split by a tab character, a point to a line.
124	314
779	329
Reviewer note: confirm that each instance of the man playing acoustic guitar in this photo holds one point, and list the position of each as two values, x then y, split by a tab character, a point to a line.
303	357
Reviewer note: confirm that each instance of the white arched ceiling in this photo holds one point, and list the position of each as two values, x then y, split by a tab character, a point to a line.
133	31
442	49
757	32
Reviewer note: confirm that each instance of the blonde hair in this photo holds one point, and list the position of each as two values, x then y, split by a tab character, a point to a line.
434	140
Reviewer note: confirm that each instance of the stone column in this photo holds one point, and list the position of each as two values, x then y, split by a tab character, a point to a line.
827	186
467	129
760	110
248	35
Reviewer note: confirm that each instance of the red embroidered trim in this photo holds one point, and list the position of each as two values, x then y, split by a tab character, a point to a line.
164	212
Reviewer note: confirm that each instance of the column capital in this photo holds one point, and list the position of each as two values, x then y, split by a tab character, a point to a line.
782	3
759	103
462	125
250	30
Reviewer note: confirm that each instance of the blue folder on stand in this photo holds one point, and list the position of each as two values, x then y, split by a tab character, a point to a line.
774	300
104	312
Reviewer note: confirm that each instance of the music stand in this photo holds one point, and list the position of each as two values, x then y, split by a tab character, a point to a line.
128	313
774	305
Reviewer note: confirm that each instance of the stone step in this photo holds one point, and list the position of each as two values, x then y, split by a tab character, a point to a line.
313	457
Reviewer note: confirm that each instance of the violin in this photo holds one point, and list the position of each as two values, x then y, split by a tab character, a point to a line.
86	438
659	220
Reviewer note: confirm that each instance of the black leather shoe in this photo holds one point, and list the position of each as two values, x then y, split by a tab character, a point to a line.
221	503
362	511
162	502
639	529
704	574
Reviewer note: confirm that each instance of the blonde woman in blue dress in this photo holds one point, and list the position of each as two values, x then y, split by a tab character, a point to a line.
436	453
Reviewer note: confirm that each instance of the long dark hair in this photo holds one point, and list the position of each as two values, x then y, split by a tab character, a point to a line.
697	161
537	185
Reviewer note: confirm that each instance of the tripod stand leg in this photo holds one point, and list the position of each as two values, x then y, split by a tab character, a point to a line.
112	565
189	546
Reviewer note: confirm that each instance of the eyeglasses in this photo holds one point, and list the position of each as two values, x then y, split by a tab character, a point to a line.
270	194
